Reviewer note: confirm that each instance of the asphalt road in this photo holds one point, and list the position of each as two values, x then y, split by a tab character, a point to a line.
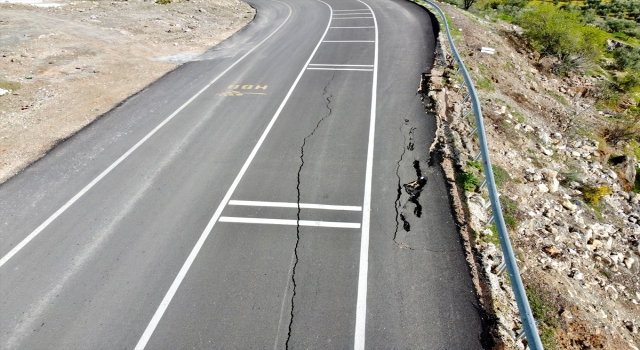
253	198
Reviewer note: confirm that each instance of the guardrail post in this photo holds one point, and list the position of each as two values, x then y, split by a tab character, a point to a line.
470	111
500	269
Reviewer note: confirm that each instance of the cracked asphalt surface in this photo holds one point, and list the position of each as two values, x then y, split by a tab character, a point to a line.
96	275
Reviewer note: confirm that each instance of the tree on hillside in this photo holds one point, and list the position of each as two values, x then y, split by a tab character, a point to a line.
562	34
467	4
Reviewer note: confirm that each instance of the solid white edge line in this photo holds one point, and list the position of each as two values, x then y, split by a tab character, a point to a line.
55	215
288	222
349	69
196	249
295	205
342	65
361	304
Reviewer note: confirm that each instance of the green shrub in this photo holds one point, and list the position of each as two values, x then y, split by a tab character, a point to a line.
468	181
629	82
163	2
477	165
627	58
561	33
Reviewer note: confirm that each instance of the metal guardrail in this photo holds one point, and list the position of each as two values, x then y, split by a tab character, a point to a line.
528	322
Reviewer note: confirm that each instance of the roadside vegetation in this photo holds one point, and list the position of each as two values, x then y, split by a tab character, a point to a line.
599	38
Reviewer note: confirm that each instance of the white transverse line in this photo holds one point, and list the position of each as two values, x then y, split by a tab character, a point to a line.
341	65
361	304
295	205
207	230
351	17
289	222
351	14
349	27
42	226
362	70
350	10
348	41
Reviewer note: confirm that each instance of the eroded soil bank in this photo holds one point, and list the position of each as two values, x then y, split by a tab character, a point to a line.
64	64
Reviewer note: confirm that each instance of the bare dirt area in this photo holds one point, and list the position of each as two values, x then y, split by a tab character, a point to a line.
64	64
568	197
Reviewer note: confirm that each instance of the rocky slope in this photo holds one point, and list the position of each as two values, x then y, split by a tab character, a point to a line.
573	218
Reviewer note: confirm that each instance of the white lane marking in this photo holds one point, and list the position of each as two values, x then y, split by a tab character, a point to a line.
59	212
348	41
295	205
342	65
350	27
352	13
289	222
351	17
27	319
351	10
350	69
361	305
144	339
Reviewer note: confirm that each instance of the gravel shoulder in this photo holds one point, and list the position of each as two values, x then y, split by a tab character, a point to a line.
64	64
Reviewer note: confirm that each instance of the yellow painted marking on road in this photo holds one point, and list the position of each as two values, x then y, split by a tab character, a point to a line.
240	90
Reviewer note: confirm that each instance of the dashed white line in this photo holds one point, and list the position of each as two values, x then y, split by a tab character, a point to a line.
348	69
348	41
59	212
295	205
164	304
289	222
341	65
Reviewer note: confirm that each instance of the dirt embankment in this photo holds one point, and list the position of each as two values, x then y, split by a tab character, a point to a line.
63	65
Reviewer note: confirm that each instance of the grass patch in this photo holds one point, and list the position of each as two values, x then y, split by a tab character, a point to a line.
606	273
510	212
556	96
485	84
493	238
455	32
477	165
500	176
545	312
10	85
468	181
